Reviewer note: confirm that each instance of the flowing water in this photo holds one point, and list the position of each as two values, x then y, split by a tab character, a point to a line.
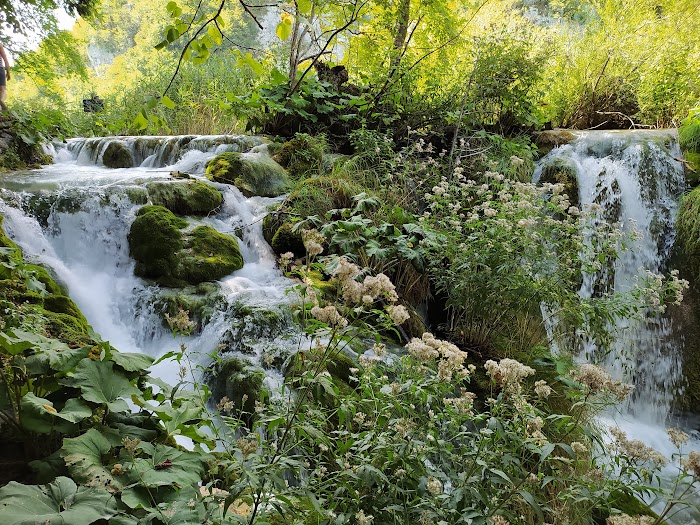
74	217
636	180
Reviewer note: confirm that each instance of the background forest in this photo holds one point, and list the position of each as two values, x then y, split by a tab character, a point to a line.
497	64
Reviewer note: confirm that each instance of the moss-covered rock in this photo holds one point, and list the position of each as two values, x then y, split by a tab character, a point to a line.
25	305
198	301
562	171
302	155
163	251
238	380
551	138
688	231
117	155
252	173
155	238
207	256
286	240
185	198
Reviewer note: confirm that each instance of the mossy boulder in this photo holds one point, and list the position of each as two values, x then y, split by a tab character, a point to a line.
191	197
198	301
164	252
688	232
117	155
689	141
24	305
207	256
238	380
302	155
252	173
155	238
286	240
562	171
549	139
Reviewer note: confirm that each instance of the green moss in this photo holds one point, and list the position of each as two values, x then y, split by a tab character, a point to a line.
688	231
303	155
199	301
689	134
286	240
117	155
185	198
154	240
318	195
64	305
207	256
43	276
236	379
252	174
64	327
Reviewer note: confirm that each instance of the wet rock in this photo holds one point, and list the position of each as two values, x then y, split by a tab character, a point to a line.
236	379
173	257
185	198
117	155
562	171
252	173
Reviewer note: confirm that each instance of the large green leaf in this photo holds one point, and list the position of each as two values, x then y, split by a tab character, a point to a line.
40	416
100	383
59	503
132	362
167	466
57	357
83	457
17	341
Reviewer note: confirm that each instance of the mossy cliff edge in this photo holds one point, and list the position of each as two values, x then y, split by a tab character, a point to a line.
32	301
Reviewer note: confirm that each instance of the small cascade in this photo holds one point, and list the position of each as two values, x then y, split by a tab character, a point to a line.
634	180
74	217
155	152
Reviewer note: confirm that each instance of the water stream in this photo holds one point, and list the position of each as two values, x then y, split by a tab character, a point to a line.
636	180
74	217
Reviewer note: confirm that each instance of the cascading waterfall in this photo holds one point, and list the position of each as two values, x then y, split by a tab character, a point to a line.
633	179
74	217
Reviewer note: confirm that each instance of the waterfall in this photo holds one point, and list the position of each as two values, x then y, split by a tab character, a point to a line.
156	152
74	217
635	179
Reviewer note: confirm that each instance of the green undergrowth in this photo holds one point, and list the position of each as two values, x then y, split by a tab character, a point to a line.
688	231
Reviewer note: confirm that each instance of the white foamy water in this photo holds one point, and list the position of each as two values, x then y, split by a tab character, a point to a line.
636	180
74	217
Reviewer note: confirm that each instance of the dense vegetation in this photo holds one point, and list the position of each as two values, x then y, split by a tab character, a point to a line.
424	389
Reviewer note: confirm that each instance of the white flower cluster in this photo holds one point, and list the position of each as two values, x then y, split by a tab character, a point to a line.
428	348
636	450
508	374
597	381
313	241
692	463
464	403
624	519
329	315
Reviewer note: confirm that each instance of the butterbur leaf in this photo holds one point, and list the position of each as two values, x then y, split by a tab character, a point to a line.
132	362
60	502
100	383
184	468
40	416
83	457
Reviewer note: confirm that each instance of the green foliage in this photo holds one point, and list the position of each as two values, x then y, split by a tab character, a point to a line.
688	230
59	502
689	133
302	155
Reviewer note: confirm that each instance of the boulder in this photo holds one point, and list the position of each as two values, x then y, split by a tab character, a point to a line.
562	171
238	380
252	173
117	155
173	257
191	197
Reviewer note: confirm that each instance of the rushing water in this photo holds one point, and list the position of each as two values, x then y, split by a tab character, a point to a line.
636	180
74	217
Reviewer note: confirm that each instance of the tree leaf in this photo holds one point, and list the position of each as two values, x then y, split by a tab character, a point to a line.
304	6
284	28
100	383
60	502
83	457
